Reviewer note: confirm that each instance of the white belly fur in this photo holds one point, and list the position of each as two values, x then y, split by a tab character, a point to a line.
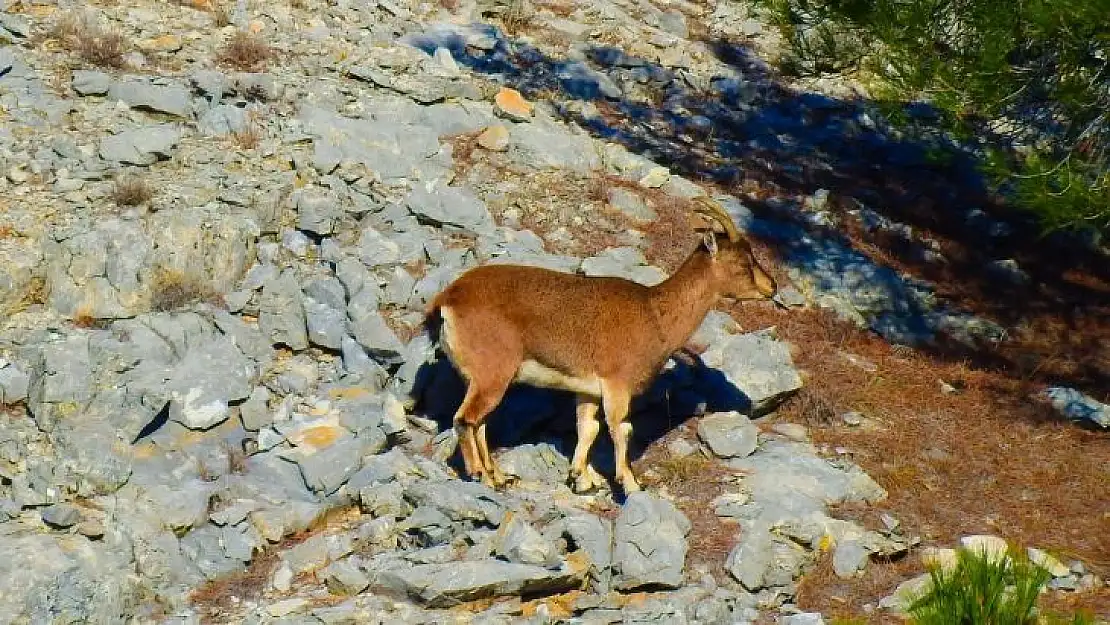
536	374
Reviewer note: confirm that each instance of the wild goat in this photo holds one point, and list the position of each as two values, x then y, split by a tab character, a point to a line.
603	338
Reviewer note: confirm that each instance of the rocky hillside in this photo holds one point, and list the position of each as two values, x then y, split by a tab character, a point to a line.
219	227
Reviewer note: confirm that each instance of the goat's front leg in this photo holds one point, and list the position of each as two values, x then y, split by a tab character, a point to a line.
617	398
588	428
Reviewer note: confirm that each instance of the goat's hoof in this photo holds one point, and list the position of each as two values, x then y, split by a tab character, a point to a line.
495	479
629	486
587	481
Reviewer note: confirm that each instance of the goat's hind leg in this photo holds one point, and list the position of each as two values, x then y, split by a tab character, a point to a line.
616	400
468	447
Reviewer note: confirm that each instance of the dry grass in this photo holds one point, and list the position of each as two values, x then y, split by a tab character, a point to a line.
575	202
694	481
131	190
983	460
245	51
173	290
83	35
36	294
247	138
84	318
518	16
216	599
220	15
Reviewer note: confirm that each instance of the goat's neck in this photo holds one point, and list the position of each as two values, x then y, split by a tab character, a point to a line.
681	301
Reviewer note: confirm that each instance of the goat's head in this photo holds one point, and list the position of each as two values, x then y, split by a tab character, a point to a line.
736	272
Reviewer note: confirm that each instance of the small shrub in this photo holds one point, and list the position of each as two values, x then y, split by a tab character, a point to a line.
221	15
173	290
982	590
130	190
518	16
91	41
676	469
245	51
84	318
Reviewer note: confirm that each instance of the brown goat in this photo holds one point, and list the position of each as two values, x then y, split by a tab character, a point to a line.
603	338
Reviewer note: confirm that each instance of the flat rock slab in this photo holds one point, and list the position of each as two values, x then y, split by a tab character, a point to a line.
142	146
448	584
757	365
729	434
649	543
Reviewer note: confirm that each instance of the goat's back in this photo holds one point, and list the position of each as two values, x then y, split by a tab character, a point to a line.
575	323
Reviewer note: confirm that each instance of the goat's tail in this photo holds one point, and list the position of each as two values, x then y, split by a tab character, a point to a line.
433	320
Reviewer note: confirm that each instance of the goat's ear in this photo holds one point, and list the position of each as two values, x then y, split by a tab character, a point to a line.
709	241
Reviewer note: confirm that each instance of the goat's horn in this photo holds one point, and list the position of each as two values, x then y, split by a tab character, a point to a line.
715	211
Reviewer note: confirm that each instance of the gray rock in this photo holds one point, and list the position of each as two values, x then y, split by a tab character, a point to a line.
357	362
451	206
326	470
729	434
317	551
14	383
328	291
649	543
804	618
1077	406
178	506
345	578
540	463
446	585
593	536
61	515
849	557
383	500
759	366
460	501
517	541
282	314
752	557
204	546
255	412
142	146
327	326
789	480
65	579
170	99
371	331
61	376
623	262
88	82
394	149
318	211
206	381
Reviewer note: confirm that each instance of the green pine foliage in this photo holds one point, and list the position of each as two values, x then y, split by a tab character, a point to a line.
985	590
1031	77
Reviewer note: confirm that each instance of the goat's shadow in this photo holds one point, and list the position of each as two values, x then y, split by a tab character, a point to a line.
529	414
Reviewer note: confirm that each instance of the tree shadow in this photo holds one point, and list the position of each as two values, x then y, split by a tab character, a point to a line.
528	414
889	221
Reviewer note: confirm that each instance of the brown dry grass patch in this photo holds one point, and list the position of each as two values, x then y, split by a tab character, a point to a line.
577	202
245	51
982	460
171	290
131	190
694	481
83	35
216	599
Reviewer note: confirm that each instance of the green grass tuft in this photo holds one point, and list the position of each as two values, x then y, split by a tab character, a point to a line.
981	590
